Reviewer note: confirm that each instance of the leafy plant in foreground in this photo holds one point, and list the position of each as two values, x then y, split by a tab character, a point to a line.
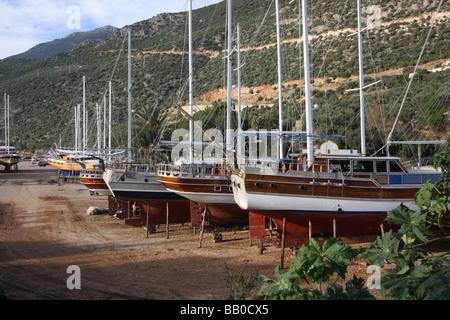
409	271
316	264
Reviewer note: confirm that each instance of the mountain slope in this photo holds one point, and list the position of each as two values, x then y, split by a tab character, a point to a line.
45	91
66	44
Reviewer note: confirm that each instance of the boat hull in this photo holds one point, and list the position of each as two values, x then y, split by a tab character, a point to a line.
137	186
9	160
156	212
296	196
319	207
348	228
94	182
212	191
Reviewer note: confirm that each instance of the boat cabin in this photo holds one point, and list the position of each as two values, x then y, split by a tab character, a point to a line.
365	165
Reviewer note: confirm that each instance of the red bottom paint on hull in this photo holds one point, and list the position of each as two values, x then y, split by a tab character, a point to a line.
349	228
179	212
219	215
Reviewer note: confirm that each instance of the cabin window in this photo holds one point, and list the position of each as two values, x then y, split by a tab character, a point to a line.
394	166
217	188
362	166
381	166
339	165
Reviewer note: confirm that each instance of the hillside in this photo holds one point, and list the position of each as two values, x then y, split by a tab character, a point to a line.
66	44
53	86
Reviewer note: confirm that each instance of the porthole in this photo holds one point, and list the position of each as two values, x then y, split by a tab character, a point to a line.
146	180
302	187
258	185
273	186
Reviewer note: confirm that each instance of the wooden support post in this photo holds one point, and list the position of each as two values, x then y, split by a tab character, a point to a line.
203	227
334	228
283	242
310	230
382	229
148	214
167	220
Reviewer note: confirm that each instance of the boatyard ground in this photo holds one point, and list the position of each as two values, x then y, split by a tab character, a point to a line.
45	229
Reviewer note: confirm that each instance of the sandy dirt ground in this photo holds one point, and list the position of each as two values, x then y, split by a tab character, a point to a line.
45	228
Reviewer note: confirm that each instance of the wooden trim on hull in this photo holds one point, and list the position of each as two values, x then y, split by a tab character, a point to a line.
200	185
354	189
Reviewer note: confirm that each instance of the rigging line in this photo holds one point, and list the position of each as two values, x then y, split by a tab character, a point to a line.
256	34
332	38
415	71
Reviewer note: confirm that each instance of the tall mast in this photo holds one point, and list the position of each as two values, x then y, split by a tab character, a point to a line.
361	83
104	122
239	76
98	126
84	113
78	124
191	89
280	81
129	96
6	127
229	82
309	127
109	119
76	129
239	140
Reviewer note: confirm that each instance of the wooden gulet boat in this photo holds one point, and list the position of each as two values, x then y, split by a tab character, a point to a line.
327	195
209	186
349	193
137	184
206	184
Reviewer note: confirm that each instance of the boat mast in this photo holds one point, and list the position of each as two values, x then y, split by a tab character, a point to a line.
76	130
78	127
309	128
229	84
104	122
239	140
361	83
280	95
191	89
129	96
6	123
98	126
84	113
109	120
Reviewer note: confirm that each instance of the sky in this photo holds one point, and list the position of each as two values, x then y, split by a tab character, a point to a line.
26	23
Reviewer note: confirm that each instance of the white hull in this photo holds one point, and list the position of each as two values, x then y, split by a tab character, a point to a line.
208	198
308	204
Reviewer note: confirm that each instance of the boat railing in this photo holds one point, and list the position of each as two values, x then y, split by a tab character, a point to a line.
133	167
193	170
